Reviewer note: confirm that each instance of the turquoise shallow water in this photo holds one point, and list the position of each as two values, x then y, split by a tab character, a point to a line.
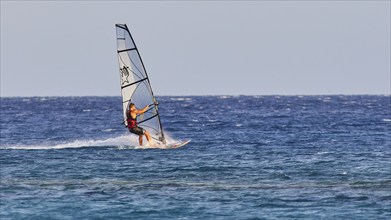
265	157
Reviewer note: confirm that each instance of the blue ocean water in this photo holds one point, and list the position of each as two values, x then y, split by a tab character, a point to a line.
251	157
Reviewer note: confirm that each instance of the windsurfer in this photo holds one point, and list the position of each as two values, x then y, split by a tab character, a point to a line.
132	123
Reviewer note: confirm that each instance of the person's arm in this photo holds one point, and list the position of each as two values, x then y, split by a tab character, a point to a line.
144	109
141	111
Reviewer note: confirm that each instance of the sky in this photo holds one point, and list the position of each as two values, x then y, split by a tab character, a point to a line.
68	48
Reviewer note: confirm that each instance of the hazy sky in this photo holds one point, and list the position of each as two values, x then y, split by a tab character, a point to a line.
67	48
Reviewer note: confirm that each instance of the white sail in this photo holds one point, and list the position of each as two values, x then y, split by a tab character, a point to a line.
135	85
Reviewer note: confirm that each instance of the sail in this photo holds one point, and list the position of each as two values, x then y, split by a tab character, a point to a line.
135	85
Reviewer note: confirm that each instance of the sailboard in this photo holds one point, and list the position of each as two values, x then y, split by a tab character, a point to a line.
136	87
176	145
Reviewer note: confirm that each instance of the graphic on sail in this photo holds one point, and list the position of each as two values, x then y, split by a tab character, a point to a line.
135	85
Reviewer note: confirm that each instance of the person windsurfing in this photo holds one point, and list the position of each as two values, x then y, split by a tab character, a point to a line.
133	127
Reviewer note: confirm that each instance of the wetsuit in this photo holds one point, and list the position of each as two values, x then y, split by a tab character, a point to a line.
132	125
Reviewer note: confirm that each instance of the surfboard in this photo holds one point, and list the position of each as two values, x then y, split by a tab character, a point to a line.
166	146
176	145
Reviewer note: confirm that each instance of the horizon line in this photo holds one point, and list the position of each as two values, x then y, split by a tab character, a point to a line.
64	96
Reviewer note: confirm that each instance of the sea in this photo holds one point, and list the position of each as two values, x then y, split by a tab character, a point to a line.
250	157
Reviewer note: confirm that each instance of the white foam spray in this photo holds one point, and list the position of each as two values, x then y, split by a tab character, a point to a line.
127	141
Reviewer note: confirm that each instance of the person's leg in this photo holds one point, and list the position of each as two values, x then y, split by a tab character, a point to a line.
140	139
148	136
